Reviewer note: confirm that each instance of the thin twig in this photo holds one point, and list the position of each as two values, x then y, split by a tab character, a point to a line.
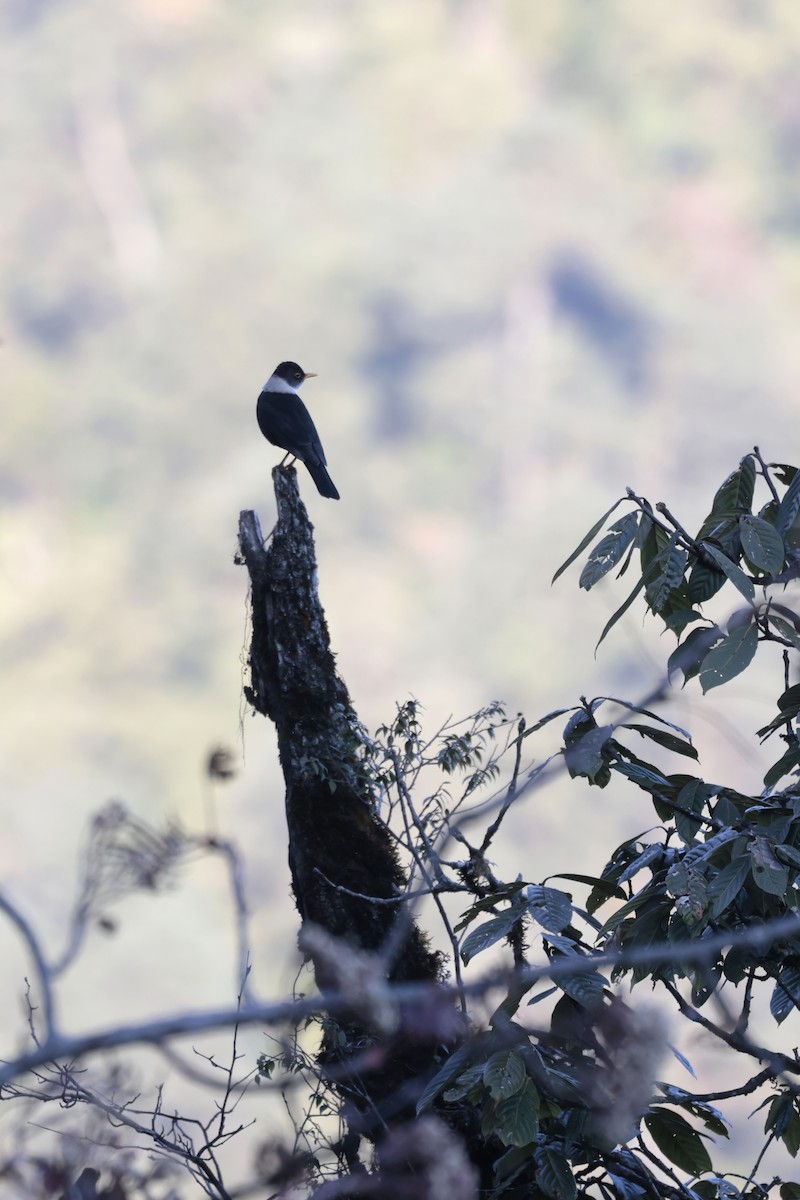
43	974
70	1047
407	806
766	475
511	790
770	1139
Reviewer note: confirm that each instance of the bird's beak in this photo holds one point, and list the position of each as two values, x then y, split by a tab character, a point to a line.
310	375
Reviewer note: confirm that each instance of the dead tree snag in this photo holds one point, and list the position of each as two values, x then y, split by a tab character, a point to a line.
337	846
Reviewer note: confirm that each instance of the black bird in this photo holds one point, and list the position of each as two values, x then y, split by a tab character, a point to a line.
286	422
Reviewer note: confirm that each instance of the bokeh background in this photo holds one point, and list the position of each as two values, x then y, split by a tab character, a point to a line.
536	252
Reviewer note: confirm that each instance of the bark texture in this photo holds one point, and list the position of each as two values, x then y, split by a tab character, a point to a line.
337	846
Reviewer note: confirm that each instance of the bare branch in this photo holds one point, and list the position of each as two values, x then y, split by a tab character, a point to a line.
43	974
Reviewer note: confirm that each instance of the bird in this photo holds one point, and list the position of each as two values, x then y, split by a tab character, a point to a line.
286	422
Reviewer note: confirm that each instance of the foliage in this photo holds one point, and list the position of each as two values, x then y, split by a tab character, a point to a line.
560	1085
575	1108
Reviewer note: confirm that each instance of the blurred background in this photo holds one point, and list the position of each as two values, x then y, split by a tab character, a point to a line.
535	252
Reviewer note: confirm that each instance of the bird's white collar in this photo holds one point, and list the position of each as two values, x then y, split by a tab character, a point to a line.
276	384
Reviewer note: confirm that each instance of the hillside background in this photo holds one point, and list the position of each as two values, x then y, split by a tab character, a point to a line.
536	252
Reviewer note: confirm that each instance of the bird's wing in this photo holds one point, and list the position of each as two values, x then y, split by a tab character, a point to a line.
286	422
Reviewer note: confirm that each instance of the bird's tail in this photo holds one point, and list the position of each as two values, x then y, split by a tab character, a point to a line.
325	485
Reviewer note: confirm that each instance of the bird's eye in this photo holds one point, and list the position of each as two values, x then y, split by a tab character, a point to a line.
298	374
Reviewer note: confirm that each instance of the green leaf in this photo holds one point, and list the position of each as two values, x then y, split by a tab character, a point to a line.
651	928
551	991
786	763
726	809
788	854
772	822
587	990
704	581
676	1139
630	906
786	994
678	618
450	1070
504	1074
689	887
789	705
709	1189
585	541
470	1081
711	845
762	544
784	471
789	701
647	777
546	719
623	608
625	1189
574	1127
688	656
606	887
789	507
730	657
645	712
779	1114
584	744
791	1135
609	550
790	1191
488	934
668	740
785	629
727	883
672	562
509	1164
549	907
770	875
736	493
516	1120
689	804
554	1174
737	964
650	854
736	575
506	891
711	1117
650	540
684	1061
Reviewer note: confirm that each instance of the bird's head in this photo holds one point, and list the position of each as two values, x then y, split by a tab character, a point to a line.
292	374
